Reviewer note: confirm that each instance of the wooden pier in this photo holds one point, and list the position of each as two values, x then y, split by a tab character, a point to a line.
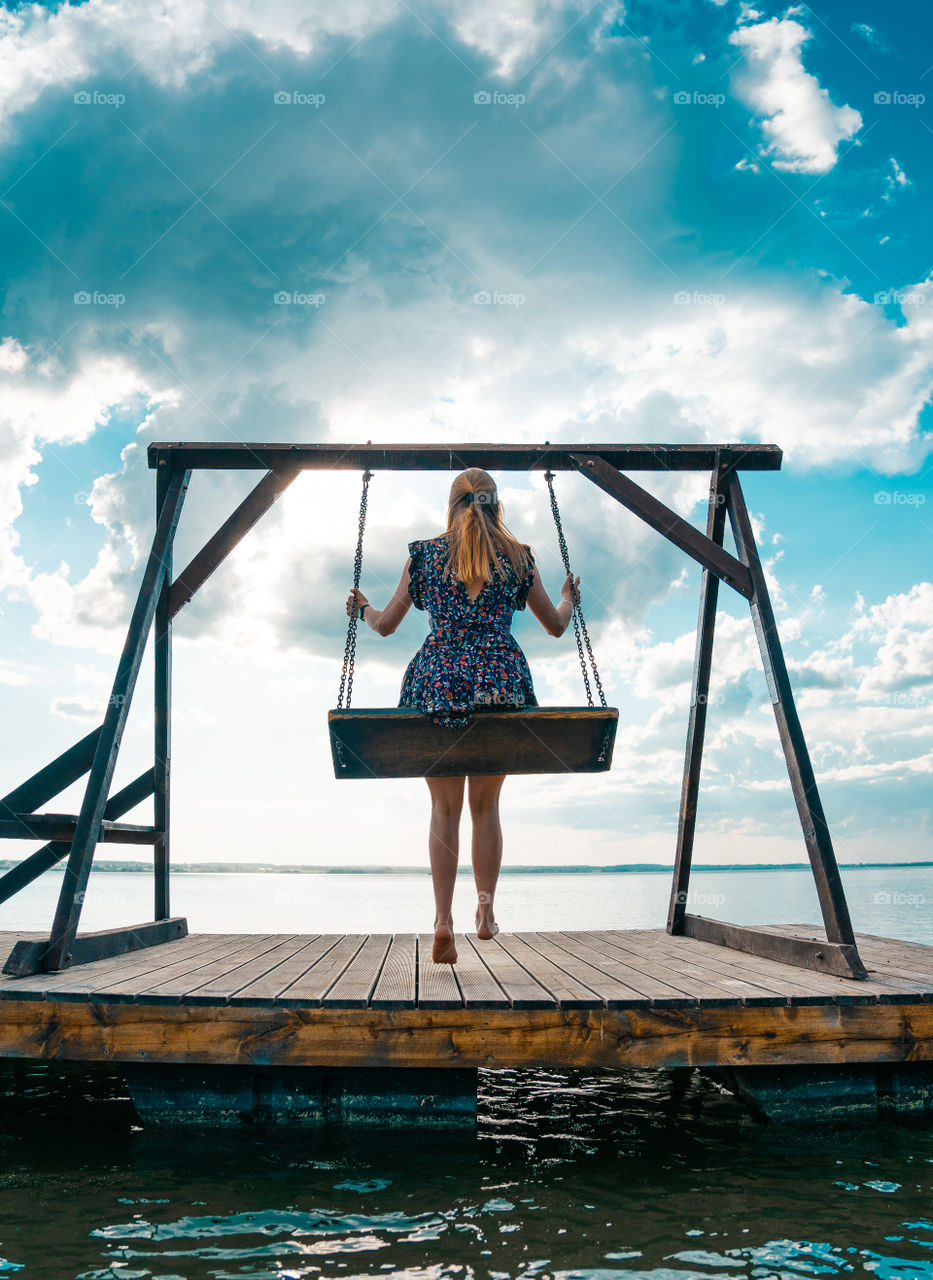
606	999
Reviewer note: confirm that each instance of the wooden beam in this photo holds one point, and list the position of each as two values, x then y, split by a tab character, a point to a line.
699	701
35	957
701	1035
215	551
162	720
456	457
68	912
841	959
32	867
62	826
673	527
53	778
799	767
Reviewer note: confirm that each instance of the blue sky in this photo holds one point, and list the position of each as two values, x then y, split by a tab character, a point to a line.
695	222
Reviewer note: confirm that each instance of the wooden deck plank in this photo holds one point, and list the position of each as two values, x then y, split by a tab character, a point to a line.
642	960
521	990
724	969
478	987
740	971
219	988
38	985
355	985
655	990
904	968
437	983
123	983
611	991
567	990
878	986
265	989
397	984
310	988
174	989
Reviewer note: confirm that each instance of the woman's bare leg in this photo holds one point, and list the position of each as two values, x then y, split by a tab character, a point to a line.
443	848
487	848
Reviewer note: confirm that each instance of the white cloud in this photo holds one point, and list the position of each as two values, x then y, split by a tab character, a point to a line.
902	626
43	407
801	125
92	45
895	178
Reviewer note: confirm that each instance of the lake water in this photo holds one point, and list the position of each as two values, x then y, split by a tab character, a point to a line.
896	901
653	1175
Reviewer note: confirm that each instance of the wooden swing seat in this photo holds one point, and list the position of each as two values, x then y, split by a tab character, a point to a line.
402	742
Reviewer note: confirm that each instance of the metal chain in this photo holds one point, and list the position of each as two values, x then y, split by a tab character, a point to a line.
579	624
349	652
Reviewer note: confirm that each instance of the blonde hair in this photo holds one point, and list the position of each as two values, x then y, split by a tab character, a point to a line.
475	530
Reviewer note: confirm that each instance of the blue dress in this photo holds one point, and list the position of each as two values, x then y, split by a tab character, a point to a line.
470	659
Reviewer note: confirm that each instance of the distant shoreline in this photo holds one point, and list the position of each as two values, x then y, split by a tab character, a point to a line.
236	868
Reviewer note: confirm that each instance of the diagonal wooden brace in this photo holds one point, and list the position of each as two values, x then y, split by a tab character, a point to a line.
667	522
256	503
802	778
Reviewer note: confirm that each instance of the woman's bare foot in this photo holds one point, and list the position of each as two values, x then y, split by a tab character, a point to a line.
486	926
445	948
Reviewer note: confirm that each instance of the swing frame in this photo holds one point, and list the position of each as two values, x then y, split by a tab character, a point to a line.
161	597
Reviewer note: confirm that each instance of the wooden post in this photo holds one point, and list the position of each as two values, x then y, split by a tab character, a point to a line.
802	779
696	728
68	911
162	644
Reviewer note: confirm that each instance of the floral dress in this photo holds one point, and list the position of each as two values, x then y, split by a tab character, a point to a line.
470	660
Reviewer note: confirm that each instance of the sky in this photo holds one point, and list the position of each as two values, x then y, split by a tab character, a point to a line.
518	221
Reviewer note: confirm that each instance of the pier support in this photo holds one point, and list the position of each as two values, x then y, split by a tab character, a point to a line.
856	1091
170	1094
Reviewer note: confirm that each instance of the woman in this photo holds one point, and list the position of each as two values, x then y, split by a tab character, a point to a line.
470	579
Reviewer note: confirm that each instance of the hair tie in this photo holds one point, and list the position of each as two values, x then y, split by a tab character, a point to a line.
485	497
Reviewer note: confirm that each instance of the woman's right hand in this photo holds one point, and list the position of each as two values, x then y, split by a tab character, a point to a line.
571	589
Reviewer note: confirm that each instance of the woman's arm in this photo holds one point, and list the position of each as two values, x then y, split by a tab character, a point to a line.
384	621
554	621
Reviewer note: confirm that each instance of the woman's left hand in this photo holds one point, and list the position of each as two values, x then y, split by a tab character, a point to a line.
357	596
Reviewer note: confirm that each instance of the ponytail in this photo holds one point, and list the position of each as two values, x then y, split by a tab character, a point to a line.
476	531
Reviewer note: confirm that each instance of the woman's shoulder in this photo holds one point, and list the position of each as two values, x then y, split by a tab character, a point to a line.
422	547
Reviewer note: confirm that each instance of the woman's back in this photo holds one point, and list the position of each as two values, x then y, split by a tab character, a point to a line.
451	601
470	657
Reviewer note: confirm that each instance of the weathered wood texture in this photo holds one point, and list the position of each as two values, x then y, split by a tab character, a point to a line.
28	957
592	998
456	457
816	834
699	703
826	957
404	743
